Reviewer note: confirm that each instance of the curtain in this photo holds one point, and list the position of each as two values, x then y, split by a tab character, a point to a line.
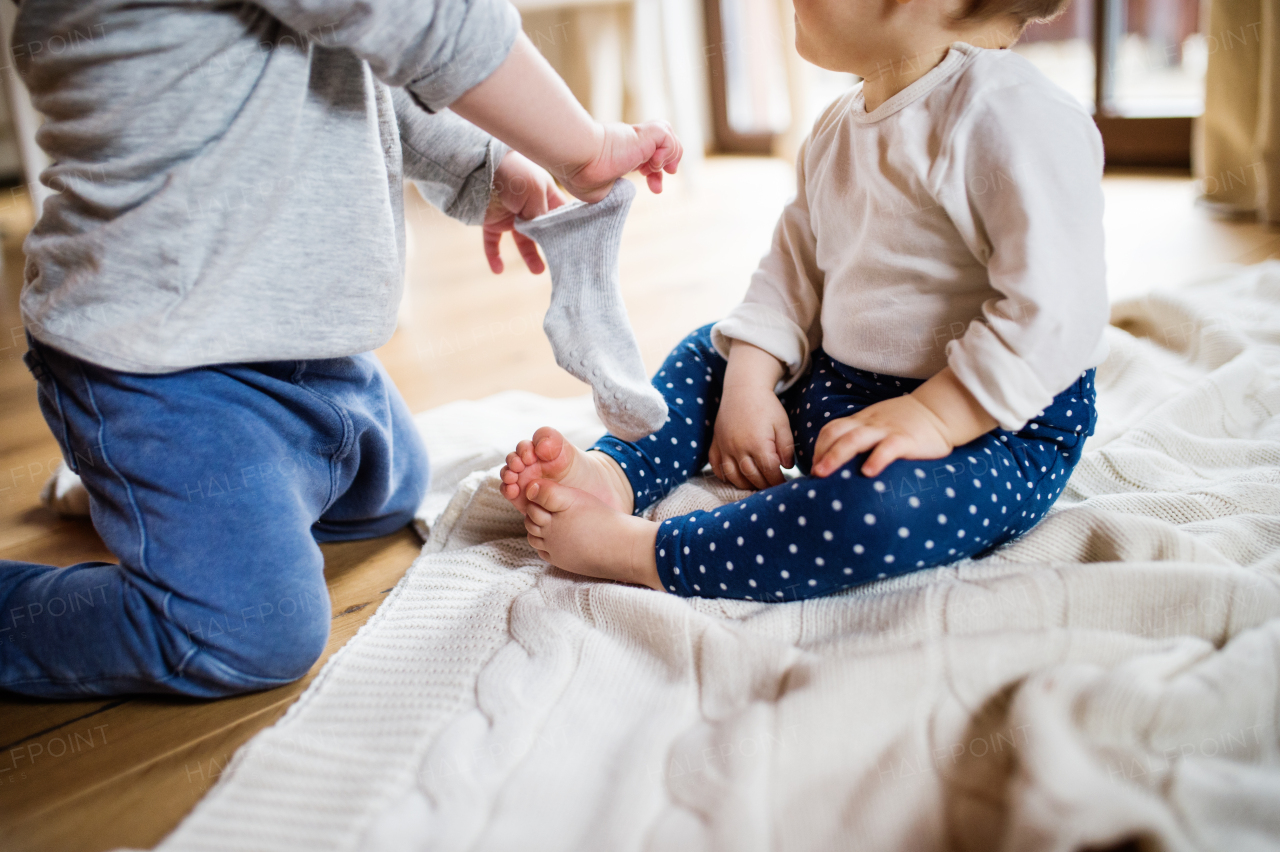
1238	148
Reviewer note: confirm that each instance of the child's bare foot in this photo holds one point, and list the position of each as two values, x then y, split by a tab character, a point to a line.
550	456
575	531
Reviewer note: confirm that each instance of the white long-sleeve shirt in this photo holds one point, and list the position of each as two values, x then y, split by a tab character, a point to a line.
959	223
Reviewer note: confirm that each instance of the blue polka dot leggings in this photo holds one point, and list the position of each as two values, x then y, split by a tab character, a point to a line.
814	536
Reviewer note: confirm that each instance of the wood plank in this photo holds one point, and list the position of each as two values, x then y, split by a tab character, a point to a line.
142	805
139	807
28	719
1269	250
83	765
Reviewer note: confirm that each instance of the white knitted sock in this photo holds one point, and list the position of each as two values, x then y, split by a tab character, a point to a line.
587	321
64	493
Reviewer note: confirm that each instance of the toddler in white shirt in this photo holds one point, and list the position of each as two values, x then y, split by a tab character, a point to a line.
919	340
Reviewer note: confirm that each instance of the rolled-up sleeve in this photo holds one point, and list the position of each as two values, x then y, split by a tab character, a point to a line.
435	49
449	160
1023	184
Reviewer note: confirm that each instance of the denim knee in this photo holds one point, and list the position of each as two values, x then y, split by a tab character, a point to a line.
257	646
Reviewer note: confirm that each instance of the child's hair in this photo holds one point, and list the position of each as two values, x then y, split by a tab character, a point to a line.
1024	11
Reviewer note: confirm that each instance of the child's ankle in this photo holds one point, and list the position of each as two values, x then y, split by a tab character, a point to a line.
618	479
642	564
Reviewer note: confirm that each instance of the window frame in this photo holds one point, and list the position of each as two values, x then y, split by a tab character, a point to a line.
1163	141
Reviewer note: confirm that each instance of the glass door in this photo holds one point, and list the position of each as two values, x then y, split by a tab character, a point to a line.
1137	64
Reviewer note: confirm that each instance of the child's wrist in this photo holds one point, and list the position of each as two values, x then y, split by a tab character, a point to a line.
937	419
576	174
956	413
752	367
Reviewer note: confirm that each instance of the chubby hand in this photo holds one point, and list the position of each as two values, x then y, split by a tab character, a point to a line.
520	189
899	428
651	148
752	439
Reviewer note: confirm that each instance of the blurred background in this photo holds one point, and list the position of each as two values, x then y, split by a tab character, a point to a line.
723	72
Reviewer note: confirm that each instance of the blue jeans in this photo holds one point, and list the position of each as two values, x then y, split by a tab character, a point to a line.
212	487
815	536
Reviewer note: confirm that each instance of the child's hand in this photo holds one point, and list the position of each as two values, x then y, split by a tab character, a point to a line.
900	428
752	438
652	148
927	423
523	189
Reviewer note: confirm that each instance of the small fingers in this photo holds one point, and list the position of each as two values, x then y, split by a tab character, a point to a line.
531	528
492	251
826	438
786	445
751	473
666	155
729	472
887	451
773	474
529	251
514	464
846	447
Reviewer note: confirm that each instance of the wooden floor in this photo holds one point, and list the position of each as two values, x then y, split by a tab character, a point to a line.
91	775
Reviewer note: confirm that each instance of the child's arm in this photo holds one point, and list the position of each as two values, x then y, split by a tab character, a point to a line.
752	433
767	340
526	105
471	56
927	423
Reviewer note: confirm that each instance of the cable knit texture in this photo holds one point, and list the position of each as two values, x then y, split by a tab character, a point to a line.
1114	673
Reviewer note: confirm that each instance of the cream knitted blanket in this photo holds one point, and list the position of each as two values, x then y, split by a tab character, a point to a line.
1113	674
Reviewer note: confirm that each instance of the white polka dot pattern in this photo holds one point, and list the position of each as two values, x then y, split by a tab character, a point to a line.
814	536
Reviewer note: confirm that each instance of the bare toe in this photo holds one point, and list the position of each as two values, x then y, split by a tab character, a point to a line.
548	443
524	450
550	495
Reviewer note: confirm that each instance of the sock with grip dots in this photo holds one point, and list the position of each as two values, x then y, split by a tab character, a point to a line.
587	321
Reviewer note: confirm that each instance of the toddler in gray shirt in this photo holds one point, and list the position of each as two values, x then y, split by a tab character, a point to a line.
224	249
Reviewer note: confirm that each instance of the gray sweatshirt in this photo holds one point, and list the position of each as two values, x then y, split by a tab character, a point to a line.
229	174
